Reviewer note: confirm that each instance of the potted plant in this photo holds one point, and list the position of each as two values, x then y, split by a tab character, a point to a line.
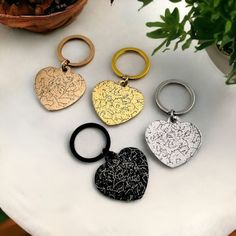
212	23
39	15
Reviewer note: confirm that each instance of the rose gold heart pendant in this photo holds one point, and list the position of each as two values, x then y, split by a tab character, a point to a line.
59	88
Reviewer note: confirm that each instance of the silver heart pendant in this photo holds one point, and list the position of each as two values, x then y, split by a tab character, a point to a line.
173	143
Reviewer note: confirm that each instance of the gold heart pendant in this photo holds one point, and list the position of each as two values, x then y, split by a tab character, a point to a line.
116	104
57	89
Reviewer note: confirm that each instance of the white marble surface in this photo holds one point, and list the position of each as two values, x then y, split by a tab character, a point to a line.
50	194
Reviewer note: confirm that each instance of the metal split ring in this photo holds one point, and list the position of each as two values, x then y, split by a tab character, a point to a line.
76	37
105	150
172	111
138	51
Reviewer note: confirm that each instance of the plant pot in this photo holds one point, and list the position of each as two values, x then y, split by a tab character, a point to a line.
220	59
44	23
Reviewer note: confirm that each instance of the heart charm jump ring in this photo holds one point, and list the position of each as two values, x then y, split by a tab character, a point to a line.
173	142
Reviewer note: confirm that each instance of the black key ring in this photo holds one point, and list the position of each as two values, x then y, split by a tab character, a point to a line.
104	151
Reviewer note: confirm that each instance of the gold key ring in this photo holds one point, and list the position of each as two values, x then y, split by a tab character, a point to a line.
135	50
76	37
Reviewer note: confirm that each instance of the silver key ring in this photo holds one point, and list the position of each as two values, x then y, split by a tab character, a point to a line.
177	82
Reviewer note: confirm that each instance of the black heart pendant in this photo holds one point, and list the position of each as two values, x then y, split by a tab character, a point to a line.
123	176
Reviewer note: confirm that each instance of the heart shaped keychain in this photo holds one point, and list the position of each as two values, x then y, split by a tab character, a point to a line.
58	88
123	176
173	142
116	103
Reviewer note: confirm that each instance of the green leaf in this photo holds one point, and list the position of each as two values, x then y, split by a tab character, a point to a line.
157	34
155	24
231	77
175	1
145	2
187	44
216	3
228	26
205	44
159	47
182	38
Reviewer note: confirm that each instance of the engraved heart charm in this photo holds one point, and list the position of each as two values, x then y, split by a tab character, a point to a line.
173	143
123	176
57	89
116	104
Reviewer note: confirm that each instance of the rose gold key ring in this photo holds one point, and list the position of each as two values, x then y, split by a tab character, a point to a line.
84	62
